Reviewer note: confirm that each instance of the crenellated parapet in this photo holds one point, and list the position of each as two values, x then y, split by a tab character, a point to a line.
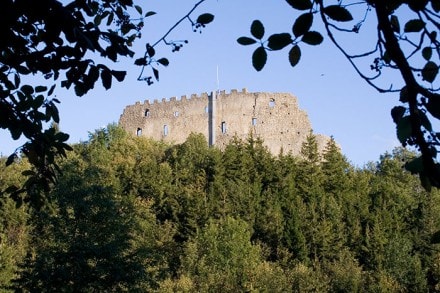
191	97
221	115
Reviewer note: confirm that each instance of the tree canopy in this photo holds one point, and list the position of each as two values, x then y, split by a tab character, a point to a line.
72	44
406	42
132	214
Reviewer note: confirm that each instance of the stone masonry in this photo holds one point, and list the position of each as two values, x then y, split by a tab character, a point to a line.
219	116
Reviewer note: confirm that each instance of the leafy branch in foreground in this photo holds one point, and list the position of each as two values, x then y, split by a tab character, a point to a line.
411	49
149	59
58	42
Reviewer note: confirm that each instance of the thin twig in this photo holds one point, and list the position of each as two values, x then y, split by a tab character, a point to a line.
327	26
162	39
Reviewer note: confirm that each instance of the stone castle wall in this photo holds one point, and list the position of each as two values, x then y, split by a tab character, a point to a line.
274	117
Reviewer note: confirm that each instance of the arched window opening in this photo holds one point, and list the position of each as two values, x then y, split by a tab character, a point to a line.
147	113
272	103
139	132
165	130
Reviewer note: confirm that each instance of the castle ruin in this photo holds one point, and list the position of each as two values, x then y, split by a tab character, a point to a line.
220	116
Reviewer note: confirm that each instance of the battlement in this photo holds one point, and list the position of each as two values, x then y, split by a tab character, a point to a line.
220	116
192	97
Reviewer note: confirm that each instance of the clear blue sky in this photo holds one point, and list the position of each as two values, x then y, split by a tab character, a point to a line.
338	102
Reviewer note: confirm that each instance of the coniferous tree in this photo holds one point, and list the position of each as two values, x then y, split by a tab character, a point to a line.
336	169
242	186
132	214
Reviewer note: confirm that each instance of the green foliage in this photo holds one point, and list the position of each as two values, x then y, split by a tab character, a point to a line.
309	279
99	237
221	257
336	169
345	274
86	244
130	214
14	226
14	236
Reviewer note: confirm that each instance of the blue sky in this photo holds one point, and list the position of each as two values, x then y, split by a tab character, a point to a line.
338	102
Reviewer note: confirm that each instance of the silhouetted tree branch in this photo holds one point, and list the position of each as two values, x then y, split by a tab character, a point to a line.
56	41
413	51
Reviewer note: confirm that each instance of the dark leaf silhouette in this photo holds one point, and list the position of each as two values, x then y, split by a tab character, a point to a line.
259	58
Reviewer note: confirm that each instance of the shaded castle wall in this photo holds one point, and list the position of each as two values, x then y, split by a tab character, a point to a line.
274	117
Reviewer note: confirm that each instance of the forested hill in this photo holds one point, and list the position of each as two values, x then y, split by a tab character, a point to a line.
131	214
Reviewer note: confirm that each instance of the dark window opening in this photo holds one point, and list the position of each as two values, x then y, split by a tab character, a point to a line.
139	132
147	113
223	127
